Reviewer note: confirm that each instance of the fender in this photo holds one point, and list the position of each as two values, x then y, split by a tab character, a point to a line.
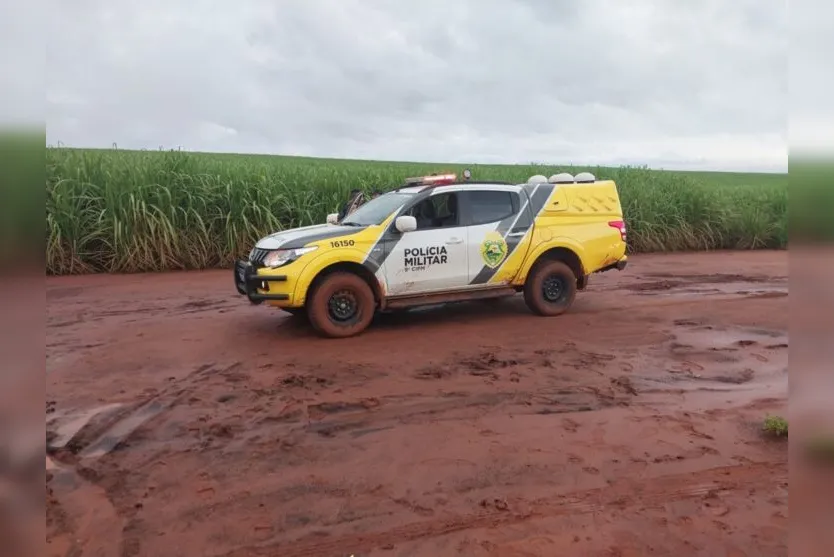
321	262
557	242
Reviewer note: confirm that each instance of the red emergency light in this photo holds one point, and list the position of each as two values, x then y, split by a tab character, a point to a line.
433	180
441	179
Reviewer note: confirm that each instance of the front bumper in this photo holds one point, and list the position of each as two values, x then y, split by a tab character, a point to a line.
248	282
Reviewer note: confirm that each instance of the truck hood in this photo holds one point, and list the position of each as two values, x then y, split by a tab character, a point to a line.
300	237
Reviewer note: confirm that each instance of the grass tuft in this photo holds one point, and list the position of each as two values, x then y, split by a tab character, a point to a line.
775	426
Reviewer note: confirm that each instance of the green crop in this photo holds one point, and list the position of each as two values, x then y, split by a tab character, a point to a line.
131	211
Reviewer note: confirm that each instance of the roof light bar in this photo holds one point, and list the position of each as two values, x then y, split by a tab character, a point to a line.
435	179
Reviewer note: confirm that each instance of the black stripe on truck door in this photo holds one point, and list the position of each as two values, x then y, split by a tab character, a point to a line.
516	227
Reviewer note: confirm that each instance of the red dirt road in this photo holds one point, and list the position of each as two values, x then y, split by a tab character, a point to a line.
184	421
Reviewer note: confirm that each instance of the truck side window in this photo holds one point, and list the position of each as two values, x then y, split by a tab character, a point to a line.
490	206
438	211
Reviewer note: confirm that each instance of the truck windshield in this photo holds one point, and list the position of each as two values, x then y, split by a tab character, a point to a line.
377	210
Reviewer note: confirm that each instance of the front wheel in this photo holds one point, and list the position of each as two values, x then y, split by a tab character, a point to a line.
341	306
550	289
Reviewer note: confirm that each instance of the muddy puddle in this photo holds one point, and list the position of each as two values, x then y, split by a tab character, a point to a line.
714	364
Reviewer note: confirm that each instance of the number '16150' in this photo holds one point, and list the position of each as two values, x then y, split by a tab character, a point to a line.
342	243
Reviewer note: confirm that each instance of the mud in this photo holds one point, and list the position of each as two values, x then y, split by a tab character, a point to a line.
183	421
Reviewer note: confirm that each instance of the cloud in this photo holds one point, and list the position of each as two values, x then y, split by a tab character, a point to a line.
664	82
811	80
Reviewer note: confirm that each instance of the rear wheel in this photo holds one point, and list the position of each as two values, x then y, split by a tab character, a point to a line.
342	305
550	289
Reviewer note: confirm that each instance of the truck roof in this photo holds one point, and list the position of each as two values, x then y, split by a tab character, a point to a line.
423	183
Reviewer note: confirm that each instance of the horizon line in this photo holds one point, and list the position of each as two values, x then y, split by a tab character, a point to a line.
160	149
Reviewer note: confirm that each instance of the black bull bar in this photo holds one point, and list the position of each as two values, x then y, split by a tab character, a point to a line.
247	283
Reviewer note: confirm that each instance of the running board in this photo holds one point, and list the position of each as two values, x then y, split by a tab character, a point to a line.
413	300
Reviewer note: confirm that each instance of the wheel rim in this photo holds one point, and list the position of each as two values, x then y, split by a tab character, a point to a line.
553	288
342	306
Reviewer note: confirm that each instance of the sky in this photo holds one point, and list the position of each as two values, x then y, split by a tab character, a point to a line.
666	83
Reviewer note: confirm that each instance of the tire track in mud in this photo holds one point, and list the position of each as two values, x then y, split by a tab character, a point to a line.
625	494
89	484
719	285
377	414
495	367
149	310
93	437
88	506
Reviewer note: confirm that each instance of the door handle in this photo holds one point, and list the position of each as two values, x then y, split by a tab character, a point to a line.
516	234
454	241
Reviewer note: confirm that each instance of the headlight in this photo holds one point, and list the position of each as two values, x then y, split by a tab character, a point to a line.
281	257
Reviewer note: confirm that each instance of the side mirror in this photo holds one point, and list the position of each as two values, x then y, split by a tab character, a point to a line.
406	223
333	218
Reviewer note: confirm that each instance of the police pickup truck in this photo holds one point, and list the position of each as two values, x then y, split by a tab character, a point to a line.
439	239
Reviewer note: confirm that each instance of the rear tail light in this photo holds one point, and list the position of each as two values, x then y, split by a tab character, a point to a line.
619	225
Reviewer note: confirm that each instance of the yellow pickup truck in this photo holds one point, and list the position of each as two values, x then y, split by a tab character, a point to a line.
439	239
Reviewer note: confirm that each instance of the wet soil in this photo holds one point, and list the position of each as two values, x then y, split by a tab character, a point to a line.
184	421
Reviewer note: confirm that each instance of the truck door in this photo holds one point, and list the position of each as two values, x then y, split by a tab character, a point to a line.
498	220
432	258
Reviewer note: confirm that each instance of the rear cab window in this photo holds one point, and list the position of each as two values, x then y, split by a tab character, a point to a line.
487	206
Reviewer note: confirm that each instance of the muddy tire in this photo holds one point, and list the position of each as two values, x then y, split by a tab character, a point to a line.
550	288
342	305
